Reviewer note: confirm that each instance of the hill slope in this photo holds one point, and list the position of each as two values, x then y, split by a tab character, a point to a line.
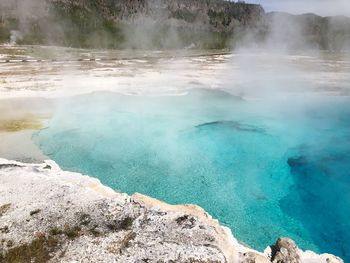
126	23
164	24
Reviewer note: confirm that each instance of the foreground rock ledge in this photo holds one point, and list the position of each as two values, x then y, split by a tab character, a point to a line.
50	215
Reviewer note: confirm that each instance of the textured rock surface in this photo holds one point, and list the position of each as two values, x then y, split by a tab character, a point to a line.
49	215
285	250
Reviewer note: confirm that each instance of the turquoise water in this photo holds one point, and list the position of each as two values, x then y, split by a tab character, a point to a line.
265	168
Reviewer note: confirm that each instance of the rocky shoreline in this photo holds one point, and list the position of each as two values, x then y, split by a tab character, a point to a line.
50	215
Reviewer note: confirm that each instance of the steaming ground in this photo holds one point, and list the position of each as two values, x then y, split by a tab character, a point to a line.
161	73
259	140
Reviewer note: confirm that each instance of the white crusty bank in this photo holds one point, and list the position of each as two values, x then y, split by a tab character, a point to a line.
50	215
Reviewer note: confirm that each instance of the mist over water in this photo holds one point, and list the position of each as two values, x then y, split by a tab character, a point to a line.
259	138
265	149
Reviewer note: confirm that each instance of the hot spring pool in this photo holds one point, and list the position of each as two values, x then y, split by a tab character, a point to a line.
265	168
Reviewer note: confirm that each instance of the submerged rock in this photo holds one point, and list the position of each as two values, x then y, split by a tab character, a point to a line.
58	216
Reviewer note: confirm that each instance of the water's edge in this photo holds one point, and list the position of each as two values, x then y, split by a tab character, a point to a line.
46	182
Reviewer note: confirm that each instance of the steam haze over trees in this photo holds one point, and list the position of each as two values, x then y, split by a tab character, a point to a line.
164	24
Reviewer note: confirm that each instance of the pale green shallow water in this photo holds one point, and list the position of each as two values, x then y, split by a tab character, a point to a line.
265	168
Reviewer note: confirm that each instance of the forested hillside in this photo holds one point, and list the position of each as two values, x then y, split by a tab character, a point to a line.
163	24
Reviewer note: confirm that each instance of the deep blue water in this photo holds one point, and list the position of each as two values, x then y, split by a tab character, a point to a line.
265	168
